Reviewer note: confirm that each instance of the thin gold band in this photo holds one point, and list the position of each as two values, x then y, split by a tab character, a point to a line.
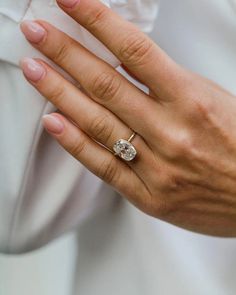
131	137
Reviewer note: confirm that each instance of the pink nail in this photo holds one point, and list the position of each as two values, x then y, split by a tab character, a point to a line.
32	31
68	3
32	69
53	124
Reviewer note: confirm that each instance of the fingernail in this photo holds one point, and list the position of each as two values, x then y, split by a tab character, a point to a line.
68	3
32	69
32	31
52	124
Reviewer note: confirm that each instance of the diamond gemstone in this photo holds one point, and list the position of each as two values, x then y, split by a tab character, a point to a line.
125	150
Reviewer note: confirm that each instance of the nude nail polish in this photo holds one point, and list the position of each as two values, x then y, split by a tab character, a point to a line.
68	3
32	69
33	31
52	124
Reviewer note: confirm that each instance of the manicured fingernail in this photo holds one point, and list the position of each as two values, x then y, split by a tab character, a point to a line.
68	3
33	31
32	69
52	124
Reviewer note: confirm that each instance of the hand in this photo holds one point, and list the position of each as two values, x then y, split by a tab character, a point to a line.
185	169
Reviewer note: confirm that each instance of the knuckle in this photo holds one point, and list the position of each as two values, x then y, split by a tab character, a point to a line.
96	18
135	48
184	147
106	86
181	145
61	54
77	148
173	181
57	95
101	128
108	170
202	108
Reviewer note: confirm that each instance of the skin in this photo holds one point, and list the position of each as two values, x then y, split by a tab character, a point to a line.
185	170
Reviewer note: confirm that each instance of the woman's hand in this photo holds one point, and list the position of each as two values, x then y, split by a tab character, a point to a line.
185	169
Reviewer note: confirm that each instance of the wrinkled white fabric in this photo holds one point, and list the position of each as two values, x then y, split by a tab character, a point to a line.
115	249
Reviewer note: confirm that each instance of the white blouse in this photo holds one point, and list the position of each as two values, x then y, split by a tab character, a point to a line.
44	193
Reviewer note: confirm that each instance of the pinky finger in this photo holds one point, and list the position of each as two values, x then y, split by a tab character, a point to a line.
96	158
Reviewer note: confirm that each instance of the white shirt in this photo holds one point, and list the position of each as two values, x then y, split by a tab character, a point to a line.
44	192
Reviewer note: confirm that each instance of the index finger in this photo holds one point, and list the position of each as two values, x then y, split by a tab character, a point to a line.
133	48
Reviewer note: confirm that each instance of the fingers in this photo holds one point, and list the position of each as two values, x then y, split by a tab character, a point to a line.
105	85
95	120
133	48
96	158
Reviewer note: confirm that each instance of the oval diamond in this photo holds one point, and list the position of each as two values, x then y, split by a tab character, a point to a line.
124	149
